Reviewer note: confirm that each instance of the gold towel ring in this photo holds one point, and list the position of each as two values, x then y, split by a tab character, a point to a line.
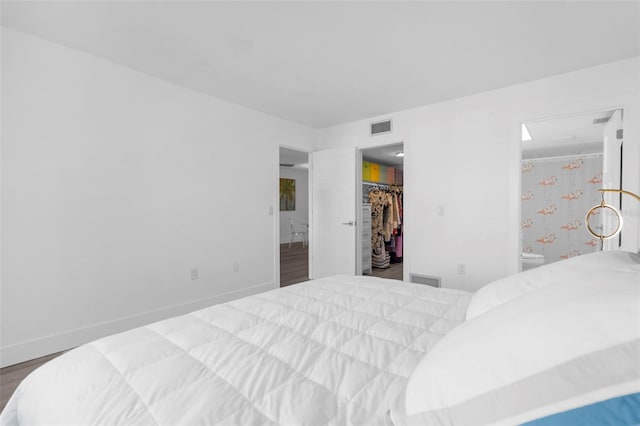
604	205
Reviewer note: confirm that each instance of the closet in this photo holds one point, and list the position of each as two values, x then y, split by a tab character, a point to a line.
366	239
382	210
386	225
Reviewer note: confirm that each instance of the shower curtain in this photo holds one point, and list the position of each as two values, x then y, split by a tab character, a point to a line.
556	195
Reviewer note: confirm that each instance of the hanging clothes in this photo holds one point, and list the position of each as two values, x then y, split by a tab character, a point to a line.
386	222
395	213
376	199
396	256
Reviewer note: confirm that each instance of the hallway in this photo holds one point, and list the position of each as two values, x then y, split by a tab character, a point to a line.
294	264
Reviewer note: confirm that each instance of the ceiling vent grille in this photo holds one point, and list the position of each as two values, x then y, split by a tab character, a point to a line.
380	127
426	279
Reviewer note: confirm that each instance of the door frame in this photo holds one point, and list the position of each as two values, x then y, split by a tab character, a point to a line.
358	203
275	210
515	160
359	195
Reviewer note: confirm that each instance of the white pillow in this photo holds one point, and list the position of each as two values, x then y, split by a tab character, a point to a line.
551	350
513	286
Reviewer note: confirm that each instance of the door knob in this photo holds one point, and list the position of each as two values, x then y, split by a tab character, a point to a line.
350	223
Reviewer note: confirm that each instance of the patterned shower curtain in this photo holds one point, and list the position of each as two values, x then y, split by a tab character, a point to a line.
556	195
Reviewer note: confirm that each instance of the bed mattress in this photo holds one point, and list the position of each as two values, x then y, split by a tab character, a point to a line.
332	351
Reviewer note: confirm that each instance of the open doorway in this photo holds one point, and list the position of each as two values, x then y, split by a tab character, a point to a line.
565	160
294	216
382	212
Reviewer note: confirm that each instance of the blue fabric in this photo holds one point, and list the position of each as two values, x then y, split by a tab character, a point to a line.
620	411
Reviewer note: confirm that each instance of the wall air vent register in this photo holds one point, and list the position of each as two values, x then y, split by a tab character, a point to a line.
380	127
426	279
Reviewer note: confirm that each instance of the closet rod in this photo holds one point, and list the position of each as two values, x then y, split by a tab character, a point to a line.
384	185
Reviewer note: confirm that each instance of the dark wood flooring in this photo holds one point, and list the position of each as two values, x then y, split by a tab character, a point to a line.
10	377
294	264
394	272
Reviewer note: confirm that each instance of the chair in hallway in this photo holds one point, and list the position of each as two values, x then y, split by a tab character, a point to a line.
296	232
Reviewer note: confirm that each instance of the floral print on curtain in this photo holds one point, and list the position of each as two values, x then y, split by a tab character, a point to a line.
556	195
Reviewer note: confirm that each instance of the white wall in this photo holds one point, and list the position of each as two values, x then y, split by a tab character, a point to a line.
114	185
301	213
464	155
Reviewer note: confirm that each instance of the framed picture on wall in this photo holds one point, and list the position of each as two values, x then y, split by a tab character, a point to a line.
287	194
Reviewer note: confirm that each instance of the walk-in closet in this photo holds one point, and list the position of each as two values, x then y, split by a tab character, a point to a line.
382	211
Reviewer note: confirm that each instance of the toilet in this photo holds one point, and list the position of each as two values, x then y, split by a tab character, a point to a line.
531	260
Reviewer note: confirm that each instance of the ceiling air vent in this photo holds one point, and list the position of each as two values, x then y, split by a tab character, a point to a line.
380	127
426	279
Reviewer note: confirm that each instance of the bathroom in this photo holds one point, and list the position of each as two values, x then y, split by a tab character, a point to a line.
565	160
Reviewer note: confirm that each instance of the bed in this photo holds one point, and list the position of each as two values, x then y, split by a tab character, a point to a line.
330	351
363	351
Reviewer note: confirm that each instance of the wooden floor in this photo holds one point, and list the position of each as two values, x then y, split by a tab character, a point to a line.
10	377
393	272
294	264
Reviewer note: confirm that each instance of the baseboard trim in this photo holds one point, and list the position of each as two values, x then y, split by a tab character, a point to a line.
46	345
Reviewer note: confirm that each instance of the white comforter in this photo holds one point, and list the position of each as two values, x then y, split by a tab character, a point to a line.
334	351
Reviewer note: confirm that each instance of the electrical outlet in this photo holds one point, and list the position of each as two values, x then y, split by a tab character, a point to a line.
194	273
236	267
462	270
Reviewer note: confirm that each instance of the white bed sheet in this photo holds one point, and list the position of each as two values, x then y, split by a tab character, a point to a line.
333	351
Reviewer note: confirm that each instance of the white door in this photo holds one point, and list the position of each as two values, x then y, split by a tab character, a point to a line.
333	212
611	174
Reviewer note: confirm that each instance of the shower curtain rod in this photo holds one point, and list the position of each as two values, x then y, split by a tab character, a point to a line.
591	154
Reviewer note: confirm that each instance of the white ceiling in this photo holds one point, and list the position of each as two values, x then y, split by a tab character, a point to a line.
326	63
385	155
293	158
570	135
